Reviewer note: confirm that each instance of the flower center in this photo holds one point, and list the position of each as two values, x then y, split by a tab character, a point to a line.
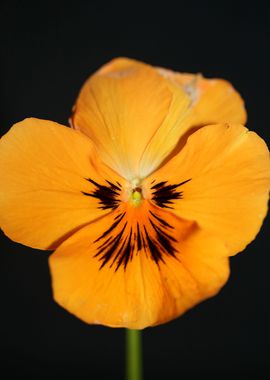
136	197
137	225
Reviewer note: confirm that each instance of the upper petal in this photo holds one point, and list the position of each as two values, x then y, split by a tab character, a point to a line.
123	107
214	100
44	181
137	114
220	179
109	272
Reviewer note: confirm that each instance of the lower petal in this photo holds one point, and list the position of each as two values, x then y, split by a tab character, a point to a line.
143	292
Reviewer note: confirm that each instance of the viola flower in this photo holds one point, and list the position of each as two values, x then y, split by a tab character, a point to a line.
144	199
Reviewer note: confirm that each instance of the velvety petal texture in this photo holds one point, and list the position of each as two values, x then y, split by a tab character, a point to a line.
227	170
144	292
45	169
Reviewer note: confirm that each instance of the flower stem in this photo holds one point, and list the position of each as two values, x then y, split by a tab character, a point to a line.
133	355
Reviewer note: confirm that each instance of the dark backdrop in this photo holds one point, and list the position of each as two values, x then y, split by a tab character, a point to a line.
47	51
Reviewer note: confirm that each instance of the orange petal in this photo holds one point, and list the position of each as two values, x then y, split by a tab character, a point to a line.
228	169
137	114
44	169
214	100
123	107
109	272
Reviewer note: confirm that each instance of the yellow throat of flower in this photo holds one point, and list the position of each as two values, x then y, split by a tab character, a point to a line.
136	197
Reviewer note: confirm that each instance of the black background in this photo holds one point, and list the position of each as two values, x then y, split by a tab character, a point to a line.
47	51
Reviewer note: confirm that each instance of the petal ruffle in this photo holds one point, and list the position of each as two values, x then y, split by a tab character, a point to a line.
225	176
44	169
123	107
214	100
143	291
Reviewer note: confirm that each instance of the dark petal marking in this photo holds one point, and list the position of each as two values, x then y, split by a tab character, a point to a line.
163	222
160	232
154	248
117	245
126	252
118	216
114	186
116	257
108	195
164	195
107	255
165	241
112	227
139	239
120	247
158	185
106	243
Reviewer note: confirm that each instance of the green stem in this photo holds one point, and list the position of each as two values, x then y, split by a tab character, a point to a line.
133	355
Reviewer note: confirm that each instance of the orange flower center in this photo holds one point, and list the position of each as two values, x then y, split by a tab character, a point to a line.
138	221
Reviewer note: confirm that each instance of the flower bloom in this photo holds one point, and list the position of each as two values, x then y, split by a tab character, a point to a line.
144	199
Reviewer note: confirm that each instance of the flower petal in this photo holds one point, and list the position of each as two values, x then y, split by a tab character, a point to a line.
123	107
223	173
44	172
214	100
143	292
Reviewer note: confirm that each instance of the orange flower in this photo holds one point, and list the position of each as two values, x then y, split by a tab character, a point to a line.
143	200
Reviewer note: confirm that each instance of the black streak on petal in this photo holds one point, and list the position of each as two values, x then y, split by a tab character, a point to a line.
161	221
164	194
111	228
108	196
118	247
118	244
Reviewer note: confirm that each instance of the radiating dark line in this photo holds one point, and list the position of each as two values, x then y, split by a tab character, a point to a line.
158	185
164	195
119	215
109	254
125	253
165	224
121	247
108	196
110	189
165	240
114	186
117	244
110	229
139	239
106	243
153	247
160	231
128	254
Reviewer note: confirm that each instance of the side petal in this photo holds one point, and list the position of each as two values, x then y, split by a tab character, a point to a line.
214	100
221	180
44	182
143	292
123	107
